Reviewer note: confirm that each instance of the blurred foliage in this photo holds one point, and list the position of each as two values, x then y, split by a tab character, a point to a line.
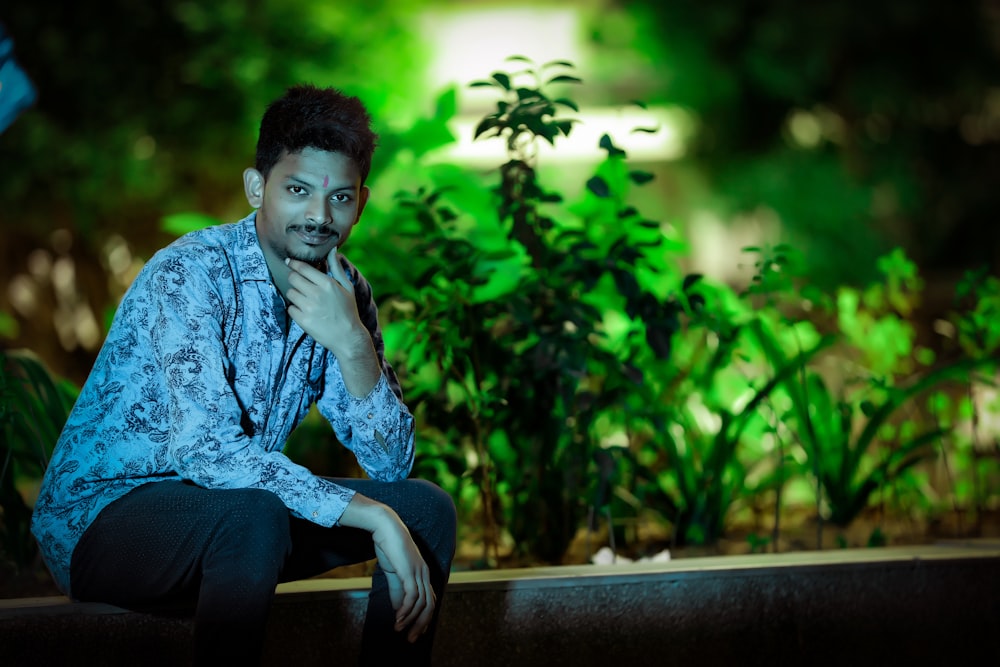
34	405
898	143
857	147
150	108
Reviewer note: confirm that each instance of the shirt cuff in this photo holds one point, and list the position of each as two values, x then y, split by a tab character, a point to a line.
328	512
369	408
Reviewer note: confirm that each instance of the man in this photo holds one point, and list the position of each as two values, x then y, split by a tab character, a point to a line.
168	482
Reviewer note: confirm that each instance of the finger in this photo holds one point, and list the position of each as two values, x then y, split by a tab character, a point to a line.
303	270
423	620
395	590
295	278
420	609
409	609
337	270
294	295
422	625
300	290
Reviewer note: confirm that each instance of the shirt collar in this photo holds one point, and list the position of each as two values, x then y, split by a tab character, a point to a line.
249	256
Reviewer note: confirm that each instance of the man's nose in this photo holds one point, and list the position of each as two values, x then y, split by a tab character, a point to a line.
318	213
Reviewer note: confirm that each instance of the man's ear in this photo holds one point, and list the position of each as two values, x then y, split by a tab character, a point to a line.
253	186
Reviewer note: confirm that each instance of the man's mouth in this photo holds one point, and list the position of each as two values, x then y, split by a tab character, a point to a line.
313	235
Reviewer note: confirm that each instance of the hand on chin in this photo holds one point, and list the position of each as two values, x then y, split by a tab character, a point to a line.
313	257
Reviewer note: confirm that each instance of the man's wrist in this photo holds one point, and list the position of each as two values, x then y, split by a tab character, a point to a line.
364	513
355	348
359	365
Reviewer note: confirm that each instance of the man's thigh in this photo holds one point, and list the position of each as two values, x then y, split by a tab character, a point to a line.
148	547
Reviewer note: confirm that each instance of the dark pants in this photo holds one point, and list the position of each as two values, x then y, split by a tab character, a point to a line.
224	550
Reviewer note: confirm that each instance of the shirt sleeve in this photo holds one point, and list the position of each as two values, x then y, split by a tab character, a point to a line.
378	428
207	441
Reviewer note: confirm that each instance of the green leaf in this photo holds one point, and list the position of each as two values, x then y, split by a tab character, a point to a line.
531	95
502	79
550	197
447	104
549	132
690	280
640	177
486	124
599	187
607	144
564	78
566	102
428	134
564	126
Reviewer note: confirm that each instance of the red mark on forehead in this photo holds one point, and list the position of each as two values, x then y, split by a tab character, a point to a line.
326	181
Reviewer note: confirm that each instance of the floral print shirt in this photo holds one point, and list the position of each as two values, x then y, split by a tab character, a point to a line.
202	377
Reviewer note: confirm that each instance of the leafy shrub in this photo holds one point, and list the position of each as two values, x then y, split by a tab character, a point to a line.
527	322
34	405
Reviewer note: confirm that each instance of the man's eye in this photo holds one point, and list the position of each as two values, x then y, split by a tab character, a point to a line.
340	198
296	189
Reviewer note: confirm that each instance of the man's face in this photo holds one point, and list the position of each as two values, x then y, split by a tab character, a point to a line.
308	204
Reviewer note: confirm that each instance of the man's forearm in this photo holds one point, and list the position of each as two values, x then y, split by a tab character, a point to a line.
365	513
359	366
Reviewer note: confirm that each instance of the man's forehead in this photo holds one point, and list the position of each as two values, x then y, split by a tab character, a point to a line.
311	152
317	166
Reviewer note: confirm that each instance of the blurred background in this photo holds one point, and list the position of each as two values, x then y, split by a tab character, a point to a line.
863	136
846	127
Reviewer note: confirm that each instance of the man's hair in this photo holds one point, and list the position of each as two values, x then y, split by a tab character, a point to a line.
321	118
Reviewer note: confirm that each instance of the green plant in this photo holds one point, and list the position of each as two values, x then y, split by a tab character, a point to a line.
876	322
525	321
700	472
849	424
978	325
852	446
758	543
972	463
780	296
34	405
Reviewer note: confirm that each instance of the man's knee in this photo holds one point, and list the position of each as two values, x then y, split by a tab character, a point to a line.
430	512
435	502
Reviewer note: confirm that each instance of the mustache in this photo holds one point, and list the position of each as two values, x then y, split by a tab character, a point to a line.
310	228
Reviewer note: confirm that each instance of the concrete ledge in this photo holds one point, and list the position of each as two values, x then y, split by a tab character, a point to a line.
924	605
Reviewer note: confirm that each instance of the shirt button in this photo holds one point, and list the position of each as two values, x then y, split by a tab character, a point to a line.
315	514
371	416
